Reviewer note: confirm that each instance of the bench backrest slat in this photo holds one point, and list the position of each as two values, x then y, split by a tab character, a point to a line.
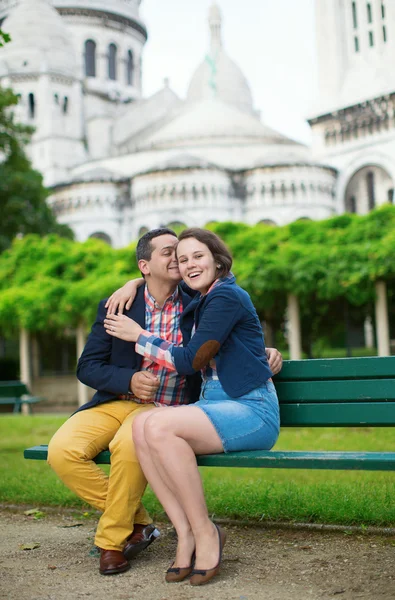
364	390
372	367
355	414
10	389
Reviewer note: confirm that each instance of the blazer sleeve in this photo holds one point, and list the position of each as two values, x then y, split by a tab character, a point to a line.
94	366
219	315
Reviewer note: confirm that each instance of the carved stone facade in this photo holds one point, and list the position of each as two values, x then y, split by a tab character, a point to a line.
354	122
119	164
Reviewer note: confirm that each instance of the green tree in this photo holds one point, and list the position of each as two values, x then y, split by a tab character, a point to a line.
23	207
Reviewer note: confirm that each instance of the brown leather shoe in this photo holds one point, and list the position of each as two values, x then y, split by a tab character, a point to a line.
202	576
112	562
140	539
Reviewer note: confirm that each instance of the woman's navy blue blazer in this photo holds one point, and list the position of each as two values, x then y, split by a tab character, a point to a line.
107	364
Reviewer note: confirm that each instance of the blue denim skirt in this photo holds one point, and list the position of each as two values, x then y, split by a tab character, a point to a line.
251	422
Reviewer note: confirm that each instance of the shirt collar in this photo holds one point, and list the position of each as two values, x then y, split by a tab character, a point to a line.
220	281
152	304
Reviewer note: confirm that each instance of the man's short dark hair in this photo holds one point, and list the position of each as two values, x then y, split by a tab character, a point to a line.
144	247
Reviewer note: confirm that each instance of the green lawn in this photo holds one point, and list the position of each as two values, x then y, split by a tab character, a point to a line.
342	497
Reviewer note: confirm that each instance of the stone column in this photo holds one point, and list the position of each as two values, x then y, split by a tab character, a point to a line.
83	390
382	326
294	337
368	332
24	362
35	358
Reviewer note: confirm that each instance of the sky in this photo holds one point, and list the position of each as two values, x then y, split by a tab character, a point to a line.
271	40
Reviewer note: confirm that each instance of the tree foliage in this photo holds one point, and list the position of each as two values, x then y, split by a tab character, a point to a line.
23	207
332	266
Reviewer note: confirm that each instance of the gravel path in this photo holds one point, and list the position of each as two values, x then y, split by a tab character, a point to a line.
259	563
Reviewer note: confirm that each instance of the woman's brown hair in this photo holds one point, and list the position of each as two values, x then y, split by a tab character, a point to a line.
222	256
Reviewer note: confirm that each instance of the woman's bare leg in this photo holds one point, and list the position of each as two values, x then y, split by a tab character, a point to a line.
174	437
165	495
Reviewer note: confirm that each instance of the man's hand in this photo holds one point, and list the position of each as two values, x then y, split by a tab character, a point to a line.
275	360
144	385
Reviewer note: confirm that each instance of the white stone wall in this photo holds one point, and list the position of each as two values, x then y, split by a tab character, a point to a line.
57	144
347	76
357	188
191	196
125	38
284	194
92	208
349	157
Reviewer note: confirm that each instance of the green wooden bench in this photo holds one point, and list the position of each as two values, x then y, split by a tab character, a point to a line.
16	394
345	392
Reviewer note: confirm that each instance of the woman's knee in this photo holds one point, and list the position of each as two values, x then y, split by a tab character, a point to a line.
157	430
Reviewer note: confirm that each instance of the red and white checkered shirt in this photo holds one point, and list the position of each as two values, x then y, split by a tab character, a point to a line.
164	322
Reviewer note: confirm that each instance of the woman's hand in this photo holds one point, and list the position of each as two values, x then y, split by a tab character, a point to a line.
275	360
123	297
122	327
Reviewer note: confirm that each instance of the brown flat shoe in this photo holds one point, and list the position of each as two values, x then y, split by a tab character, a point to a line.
140	539
202	576
112	562
174	574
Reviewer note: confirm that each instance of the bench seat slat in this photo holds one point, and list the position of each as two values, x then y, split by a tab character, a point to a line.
338	368
364	390
354	414
365	461
20	400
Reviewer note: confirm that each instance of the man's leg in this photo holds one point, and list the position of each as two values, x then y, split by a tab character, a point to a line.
79	440
73	447
126	486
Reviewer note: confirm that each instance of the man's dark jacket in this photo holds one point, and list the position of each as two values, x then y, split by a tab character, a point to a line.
107	364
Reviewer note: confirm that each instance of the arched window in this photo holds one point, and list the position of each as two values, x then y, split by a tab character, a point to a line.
32	106
130	68
352	204
371	190
100	235
369	11
142	231
354	15
267	222
90	58
112	62
65	105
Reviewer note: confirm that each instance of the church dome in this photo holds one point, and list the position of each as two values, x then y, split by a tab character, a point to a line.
213	121
218	76
40	41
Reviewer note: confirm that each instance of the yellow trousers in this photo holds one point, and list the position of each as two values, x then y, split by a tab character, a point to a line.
117	496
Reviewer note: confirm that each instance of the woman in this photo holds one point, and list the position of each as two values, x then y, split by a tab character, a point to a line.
237	409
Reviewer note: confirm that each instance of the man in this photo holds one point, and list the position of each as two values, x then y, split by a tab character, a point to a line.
127	385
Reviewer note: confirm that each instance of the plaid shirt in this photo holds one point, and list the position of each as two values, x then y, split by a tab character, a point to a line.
160	350
164	322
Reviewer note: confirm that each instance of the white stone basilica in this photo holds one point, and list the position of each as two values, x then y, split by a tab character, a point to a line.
119	164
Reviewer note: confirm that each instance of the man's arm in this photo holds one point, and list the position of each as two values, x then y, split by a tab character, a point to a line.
94	366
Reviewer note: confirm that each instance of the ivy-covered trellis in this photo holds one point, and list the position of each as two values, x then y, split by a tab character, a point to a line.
313	269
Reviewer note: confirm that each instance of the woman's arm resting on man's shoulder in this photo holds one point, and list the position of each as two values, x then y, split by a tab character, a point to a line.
123	297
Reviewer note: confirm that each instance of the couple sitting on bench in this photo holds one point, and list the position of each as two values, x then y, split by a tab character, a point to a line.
173	346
